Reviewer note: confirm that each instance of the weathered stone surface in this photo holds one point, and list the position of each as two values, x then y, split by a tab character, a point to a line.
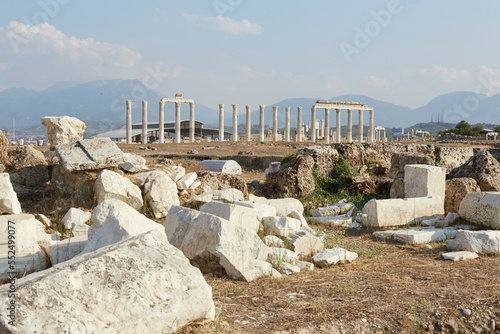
8	198
337	209
274	167
305	243
186	181
456	189
453	157
90	154
263	210
336	221
221	181
332	256
134	159
396	212
63	129
483	168
304	265
75	217
222	166
281	226
26	231
225	195
64	250
279	255
483	242
397	188
114	221
131	168
325	158
273	241
236	214
460	256
424	181
400	160
4	156
416	235
295	178
482	208
296	214
238	249
107	291
112	185
160	193
288	269
284	206
28	167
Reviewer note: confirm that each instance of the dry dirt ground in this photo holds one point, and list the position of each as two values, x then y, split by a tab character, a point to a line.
390	288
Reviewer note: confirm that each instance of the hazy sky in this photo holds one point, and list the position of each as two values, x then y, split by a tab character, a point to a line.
256	51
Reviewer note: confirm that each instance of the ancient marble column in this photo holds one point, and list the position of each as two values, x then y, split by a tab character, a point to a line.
349	125
191	123
321	130
299	124
249	123
177	122
161	122
261	123
221	122
128	118
235	122
338	128
313	124
287	124
275	123
360	126
327	126
144	136
372	126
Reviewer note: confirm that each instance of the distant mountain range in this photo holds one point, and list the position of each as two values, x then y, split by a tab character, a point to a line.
103	101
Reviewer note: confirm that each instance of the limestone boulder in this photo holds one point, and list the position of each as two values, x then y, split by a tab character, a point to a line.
278	255
284	206
424	181
325	158
221	181
294	179
64	250
332	256
483	242
160	193
273	241
4	156
28	167
225	195
305	243
483	168
400	160
200	235
108	291
134	159
453	157
456	190
236	214
263	210
281	226
222	166
75	217
186	181
63	129
340	208
8	198
397	188
114	221
26	232
481	208
112	185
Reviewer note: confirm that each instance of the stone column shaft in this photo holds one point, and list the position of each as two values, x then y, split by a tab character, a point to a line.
235	122
144	137
360	126
177	122
275	123
287	124
313	124
221	122
249	122
261	123
129	121
349	125
161	122
372	126
338	128
191	123
327	126
299	124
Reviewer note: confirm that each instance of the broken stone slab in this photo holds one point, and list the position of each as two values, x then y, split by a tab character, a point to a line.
456	190
278	255
134	159
274	167
195	185
460	256
9	204
482	208
236	214
340	208
114	221
222	166
482	242
450	219
131	168
400	160
90	154
332	256
226	195
273	241
263	210
296	214
424	181
281	226
397	212
417	235
288	269
305	243
112	185
64	250
186	181
107	291
432	220
336	221
179	173
483	168
304	265
28	167
160	193
200	235
26	232
75	217
284	206
63	129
